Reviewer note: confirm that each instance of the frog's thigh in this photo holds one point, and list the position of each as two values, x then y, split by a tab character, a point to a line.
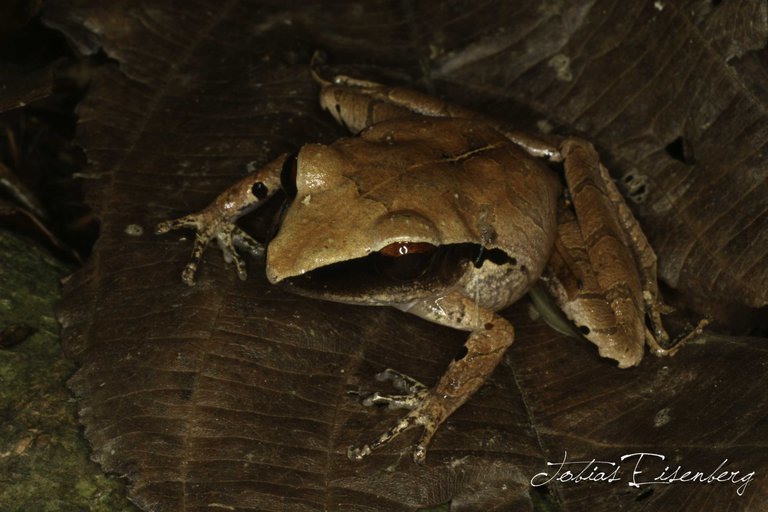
358	104
573	283
589	161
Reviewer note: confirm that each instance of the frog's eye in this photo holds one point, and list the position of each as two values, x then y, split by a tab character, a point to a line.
402	261
398	249
288	175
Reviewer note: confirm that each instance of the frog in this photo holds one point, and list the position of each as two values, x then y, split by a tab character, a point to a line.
449	215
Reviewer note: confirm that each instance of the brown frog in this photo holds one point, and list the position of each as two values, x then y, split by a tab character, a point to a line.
445	214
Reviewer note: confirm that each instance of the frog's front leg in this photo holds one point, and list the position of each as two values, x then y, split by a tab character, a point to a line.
489	337
217	220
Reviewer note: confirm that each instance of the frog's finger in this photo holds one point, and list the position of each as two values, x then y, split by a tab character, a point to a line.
240	266
227	246
188	221
247	242
188	276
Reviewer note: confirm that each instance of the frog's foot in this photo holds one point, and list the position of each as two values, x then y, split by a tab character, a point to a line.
209	226
425	411
671	348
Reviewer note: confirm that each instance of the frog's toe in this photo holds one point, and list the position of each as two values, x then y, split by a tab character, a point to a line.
188	275
420	449
357	453
401	382
420	416
409	401
412	391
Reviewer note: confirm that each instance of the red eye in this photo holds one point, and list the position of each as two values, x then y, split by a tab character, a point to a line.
398	249
405	261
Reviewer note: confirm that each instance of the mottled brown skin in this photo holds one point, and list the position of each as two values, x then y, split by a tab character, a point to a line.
425	173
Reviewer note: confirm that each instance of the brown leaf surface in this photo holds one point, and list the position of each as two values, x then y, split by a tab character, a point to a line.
237	395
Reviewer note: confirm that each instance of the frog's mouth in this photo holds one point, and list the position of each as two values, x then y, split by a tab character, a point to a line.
398	273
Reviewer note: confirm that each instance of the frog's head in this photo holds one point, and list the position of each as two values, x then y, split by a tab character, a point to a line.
341	241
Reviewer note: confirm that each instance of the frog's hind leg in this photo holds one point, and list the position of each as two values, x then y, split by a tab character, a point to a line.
489	338
632	234
572	280
358	104
619	256
608	227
